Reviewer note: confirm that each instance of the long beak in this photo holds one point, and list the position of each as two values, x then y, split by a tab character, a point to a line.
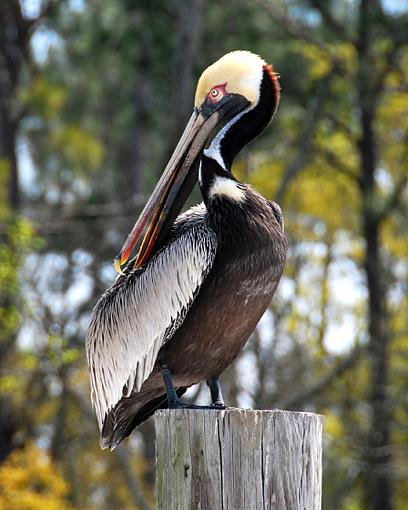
165	193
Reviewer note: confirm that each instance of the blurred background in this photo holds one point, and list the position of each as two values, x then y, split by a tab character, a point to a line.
93	96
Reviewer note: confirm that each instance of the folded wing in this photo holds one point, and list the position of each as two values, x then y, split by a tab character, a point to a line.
136	316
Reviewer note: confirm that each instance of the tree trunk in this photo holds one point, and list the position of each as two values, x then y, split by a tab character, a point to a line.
378	466
14	37
14	32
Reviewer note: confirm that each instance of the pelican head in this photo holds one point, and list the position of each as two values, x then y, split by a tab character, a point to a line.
238	72
235	100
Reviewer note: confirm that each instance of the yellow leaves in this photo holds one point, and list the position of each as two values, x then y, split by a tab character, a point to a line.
44	98
20	237
321	60
7	269
28	361
59	353
392	124
21	232
346	53
4	177
266	178
394	108
355	250
9	321
70	355
393	131
393	116
337	150
338	144
320	193
395	239
332	425
80	149
324	194
29	481
9	384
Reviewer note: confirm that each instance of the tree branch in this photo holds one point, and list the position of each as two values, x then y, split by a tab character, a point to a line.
313	114
334	161
122	456
313	390
132	482
293	28
394	198
330	20
340	125
300	32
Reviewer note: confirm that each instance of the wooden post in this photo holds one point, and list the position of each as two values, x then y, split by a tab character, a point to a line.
238	460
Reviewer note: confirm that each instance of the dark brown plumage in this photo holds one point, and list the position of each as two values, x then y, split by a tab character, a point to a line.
212	273
243	279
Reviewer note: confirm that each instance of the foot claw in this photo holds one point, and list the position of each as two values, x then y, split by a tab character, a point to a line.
213	407
219	405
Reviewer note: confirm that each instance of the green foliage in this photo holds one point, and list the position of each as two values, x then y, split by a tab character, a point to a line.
17	240
77	148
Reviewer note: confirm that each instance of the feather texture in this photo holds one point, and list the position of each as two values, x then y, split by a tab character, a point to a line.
135	317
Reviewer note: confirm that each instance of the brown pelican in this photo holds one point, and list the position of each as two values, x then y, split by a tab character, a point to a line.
181	311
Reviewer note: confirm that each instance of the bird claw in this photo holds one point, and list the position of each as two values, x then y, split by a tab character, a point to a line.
219	406
216	406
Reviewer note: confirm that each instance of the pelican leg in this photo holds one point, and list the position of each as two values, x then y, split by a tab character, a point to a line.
175	403
172	398
217	400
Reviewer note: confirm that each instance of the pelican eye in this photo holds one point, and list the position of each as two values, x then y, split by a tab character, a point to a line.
217	92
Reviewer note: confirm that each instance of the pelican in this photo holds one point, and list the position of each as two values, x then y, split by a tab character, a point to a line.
182	309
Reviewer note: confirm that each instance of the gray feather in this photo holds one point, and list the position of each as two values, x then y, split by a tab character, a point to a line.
135	317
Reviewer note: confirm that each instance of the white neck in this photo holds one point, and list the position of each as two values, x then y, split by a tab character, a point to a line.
214	150
228	188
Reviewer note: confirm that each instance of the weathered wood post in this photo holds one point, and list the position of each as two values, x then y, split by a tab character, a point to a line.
238	460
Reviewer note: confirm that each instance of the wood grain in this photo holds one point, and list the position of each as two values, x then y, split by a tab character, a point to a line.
238	460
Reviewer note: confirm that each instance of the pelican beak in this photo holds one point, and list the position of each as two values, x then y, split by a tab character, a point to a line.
162	202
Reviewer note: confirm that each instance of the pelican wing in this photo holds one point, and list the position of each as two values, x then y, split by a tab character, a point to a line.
136	316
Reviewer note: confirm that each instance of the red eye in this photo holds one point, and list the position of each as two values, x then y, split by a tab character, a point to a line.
217	92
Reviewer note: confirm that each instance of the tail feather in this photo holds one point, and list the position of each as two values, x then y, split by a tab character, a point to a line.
128	414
